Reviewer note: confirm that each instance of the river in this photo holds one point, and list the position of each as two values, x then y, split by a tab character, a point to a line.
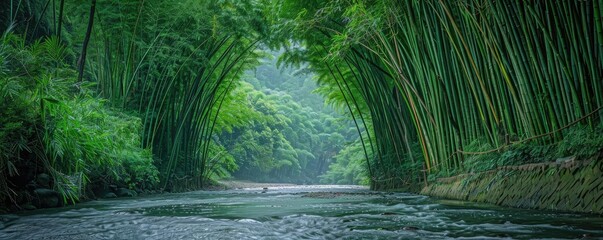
295	212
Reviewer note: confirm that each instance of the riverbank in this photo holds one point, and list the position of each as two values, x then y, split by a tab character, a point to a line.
241	184
570	186
41	194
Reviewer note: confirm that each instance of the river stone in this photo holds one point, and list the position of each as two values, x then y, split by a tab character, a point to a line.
28	206
32	185
110	195
46	198
124	192
43	180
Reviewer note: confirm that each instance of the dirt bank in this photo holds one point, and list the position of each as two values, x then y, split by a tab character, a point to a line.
572	187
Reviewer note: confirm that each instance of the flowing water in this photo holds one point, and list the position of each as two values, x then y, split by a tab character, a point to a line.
311	212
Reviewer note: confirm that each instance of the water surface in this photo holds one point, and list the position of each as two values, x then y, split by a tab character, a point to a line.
296	212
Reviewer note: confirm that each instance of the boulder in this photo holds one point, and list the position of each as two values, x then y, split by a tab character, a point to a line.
22	197
110	195
31	186
124	192
43	180
46	198
410	228
28	206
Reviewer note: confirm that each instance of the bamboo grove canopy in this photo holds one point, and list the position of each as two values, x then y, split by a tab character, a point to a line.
434	87
460	78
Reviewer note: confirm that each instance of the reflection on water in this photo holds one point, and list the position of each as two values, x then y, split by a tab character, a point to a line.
311	212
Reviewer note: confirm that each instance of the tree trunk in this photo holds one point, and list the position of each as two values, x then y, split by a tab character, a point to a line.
82	61
58	30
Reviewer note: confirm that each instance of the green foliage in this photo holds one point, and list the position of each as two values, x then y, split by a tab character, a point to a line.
445	73
55	123
83	136
222	163
582	141
18	121
422	81
139	171
28	79
479	162
348	168
175	71
579	141
275	137
512	156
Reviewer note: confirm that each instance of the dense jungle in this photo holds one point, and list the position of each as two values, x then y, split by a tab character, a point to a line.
324	104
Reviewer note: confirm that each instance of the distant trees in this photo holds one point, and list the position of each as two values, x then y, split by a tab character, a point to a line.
281	140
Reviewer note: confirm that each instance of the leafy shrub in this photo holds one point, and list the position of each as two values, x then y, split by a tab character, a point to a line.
61	126
581	141
479	162
86	136
349	167
140	173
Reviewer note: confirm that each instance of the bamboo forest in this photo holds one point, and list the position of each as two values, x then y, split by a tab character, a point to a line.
291	119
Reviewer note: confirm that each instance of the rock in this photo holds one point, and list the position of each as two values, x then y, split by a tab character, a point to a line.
43	180
325	195
22	197
565	160
110	195
32	185
46	198
124	192
28	206
13	208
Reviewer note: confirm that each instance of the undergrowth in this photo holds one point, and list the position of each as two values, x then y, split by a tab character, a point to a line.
579	142
52	124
